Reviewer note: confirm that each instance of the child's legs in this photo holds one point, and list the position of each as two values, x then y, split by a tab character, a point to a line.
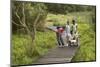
68	37
61	40
58	39
64	40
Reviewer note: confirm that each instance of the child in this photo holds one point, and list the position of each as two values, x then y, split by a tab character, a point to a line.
74	28
68	34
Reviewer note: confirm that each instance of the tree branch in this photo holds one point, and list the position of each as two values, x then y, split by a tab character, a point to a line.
23	19
37	18
19	18
16	23
23	13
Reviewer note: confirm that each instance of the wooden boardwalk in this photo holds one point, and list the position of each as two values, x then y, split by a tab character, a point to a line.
58	54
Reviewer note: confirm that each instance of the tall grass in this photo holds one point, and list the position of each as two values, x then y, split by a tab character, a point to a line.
21	46
59	19
87	51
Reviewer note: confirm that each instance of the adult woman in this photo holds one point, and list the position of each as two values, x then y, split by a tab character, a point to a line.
59	32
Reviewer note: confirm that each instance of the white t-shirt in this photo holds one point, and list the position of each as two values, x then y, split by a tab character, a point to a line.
74	28
68	29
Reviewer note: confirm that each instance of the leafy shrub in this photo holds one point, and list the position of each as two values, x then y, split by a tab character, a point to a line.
21	47
87	49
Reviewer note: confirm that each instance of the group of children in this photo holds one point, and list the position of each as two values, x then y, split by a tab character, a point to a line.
67	34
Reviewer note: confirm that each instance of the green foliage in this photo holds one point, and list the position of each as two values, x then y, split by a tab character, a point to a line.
58	24
67	8
21	49
56	20
31	12
45	41
87	49
60	20
86	52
